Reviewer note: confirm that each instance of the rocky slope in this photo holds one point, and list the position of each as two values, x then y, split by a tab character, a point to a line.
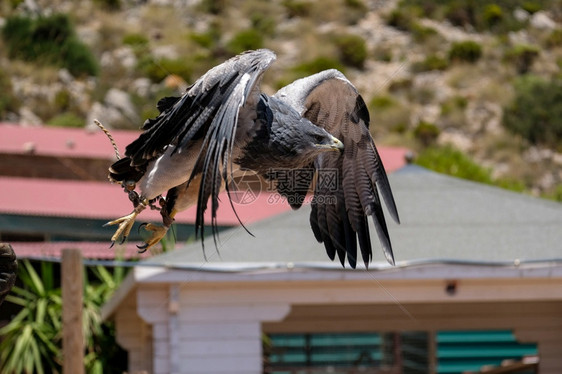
399	55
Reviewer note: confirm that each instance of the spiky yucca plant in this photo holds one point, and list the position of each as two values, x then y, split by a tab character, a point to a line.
32	340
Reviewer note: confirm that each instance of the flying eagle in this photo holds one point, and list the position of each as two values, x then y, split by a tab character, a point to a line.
224	123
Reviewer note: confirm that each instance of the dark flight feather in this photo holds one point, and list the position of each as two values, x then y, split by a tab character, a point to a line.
208	111
330	101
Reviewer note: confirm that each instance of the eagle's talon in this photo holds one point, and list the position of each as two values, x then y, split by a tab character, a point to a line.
125	224
142	248
158	233
141	226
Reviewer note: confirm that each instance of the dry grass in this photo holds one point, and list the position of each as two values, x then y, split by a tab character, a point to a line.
41	74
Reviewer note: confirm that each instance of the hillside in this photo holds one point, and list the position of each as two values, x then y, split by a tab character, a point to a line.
456	81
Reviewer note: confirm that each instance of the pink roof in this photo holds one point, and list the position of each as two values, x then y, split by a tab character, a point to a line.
89	250
79	199
393	158
56	141
102	200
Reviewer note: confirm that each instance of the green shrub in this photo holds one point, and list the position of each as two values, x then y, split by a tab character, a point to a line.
426	133
399	128
138	43
450	161
555	194
382	102
453	104
355	10
453	112
109	4
352	49
297	8
62	100
460	13
32	341
554	39
422	33
212	6
492	15
245	40
50	40
263	23
67	119
8	102
356	4
135	39
157	70
389	114
400	86
468	51
422	94
383	54
536	111
522	56
480	15
208	39
432	62
401	18
13	4
317	65
204	40
78	58
531	6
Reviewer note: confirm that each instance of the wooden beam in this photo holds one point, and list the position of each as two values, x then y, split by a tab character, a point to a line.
72	301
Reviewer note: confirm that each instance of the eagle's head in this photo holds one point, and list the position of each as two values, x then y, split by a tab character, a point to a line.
285	140
303	142
297	140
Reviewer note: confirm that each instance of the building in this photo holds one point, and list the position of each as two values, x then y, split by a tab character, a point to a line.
474	262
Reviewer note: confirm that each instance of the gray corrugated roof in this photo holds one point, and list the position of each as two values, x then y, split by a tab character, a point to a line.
442	217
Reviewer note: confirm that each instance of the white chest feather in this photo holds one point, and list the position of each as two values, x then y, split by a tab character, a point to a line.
167	171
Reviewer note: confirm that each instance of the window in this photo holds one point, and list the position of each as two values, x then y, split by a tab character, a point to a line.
447	352
346	353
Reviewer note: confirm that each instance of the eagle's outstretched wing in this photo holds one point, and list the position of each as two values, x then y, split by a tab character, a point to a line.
347	185
208	112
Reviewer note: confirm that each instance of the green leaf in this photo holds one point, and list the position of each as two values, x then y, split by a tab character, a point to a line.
34	361
36	282
103	274
21	345
55	318
16	300
47	275
16	322
41	311
48	343
24	293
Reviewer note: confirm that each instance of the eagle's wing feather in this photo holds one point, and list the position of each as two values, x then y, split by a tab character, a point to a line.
188	117
208	111
347	185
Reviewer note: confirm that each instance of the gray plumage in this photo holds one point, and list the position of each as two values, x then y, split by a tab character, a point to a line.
223	123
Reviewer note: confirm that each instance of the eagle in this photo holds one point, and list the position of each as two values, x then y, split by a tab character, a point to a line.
224	123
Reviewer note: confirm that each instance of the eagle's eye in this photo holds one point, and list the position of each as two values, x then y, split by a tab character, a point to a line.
318	138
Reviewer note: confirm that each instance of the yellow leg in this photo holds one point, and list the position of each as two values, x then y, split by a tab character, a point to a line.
158	232
126	223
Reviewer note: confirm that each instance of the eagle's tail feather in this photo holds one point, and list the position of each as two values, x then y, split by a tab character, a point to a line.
122	171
